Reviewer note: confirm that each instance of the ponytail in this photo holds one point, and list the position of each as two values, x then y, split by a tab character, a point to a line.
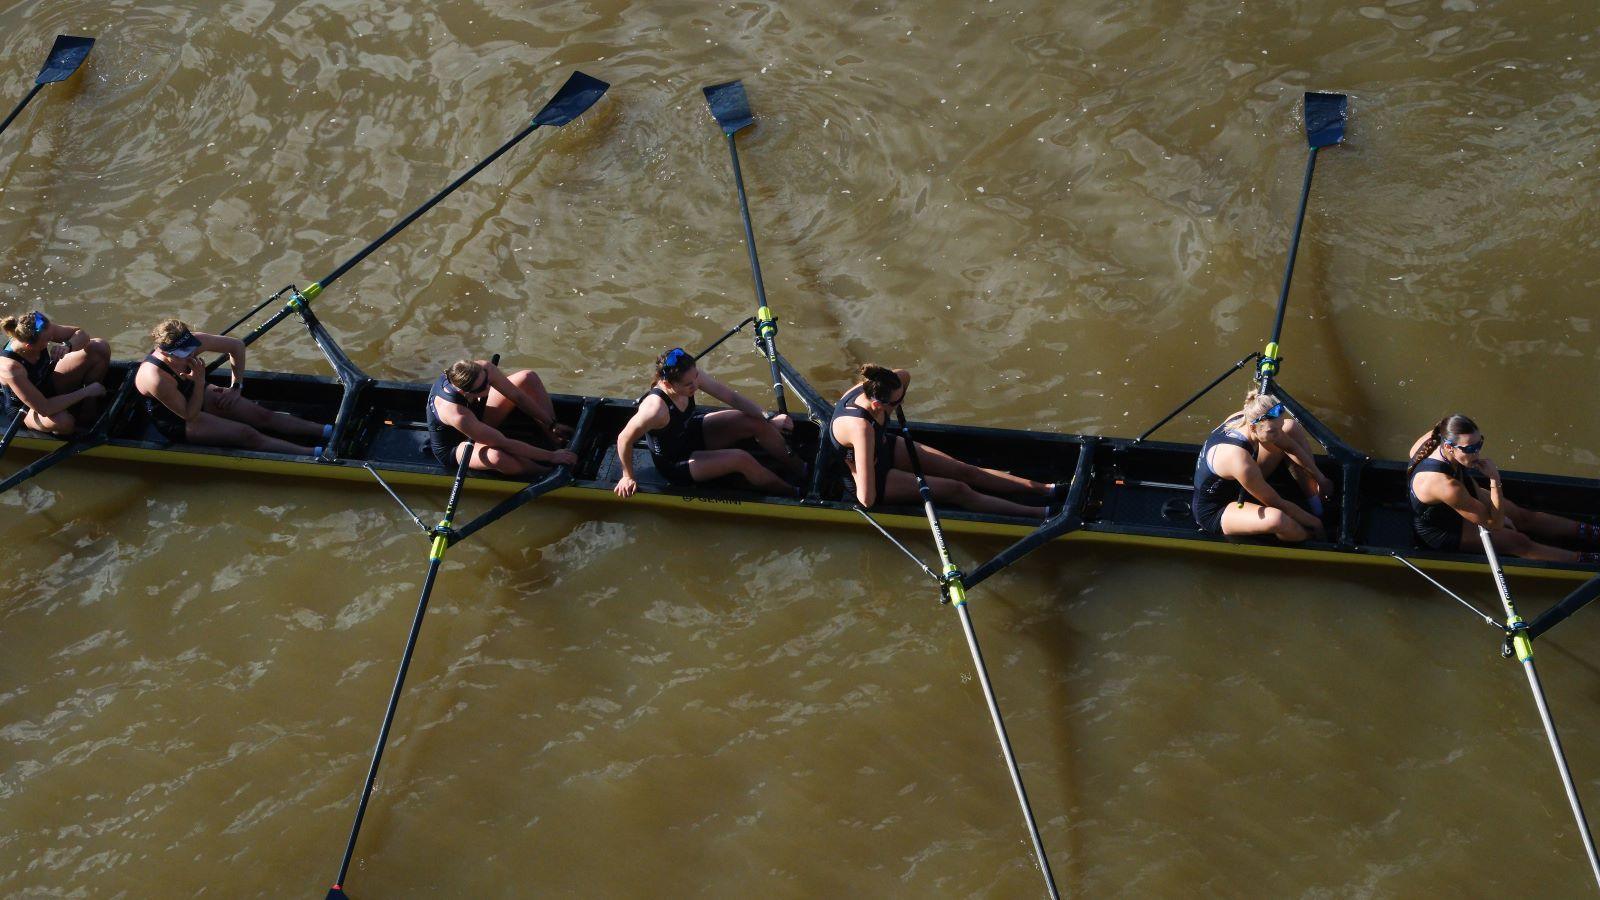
877	382
1448	428
11	326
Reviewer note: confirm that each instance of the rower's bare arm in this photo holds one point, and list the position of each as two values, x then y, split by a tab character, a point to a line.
232	347
652	414
16	378
151	384
1301	457
728	395
1436	487
478	431
859	436
74	337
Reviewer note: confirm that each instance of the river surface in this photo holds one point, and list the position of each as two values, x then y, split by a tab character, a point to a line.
1064	216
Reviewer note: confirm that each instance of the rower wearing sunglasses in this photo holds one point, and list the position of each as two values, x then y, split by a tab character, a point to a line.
877	466
1448	505
452	420
48	369
687	446
213	416
1231	493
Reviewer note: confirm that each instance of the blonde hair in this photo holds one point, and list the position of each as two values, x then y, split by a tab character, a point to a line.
20	328
463	374
1256	405
166	333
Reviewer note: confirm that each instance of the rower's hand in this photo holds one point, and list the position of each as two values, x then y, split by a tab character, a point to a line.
564	458
562	433
783	423
625	486
1325	486
1488	468
57	351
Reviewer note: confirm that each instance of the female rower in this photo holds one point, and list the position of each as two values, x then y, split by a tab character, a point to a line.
212	415
1447	506
688	447
49	369
877	466
452	420
1231	493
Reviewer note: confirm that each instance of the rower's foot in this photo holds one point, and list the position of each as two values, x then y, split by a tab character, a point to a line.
327	432
1058	491
1589	558
316	452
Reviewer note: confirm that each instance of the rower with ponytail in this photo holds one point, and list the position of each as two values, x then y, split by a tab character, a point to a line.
53	371
1448	505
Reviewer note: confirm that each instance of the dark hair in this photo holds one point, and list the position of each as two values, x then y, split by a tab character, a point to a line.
681	365
1451	428
877	382
463	374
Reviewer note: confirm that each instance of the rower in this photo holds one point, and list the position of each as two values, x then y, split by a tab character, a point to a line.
1231	493
877	466
688	446
452	421
1447	506
213	416
51	368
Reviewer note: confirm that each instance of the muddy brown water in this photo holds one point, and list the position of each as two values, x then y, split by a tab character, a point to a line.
1061	216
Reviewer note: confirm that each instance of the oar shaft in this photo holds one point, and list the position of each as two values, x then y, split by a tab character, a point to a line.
1294	245
766	327
400	226
1005	747
388	716
1524	649
11	430
7	123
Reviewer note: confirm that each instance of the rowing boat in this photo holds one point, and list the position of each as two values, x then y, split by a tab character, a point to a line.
1124	491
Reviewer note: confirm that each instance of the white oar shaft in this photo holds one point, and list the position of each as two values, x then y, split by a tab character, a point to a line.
1524	648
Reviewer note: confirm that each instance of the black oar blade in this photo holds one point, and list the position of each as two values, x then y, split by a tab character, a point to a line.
1325	118
337	894
578	94
65	57
729	106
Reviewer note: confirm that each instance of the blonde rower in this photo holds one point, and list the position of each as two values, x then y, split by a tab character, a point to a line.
1231	493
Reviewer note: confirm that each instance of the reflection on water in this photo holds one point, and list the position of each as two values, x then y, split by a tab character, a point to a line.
1064	218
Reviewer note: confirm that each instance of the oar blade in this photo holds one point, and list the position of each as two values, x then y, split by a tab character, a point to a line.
1325	118
729	106
65	57
577	95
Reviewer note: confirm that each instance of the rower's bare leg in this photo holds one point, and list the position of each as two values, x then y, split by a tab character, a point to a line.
941	464
1512	542
216	431
901	488
62	423
727	427
81	367
499	406
704	465
490	459
1253	518
260	418
1549	526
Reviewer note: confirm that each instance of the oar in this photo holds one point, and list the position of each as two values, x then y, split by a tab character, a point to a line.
578	94
1325	118
441	534
11	430
956	594
66	55
731	109
1522	644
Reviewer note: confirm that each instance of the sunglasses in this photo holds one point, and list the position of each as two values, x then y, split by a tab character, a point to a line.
481	386
676	357
39	322
1469	449
1273	413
